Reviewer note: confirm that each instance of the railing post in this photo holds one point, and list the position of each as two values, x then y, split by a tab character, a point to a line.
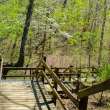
55	85
78	82
44	58
70	70
30	74
35	74
83	103
1	67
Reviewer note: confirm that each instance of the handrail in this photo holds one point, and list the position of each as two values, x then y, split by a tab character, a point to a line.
54	90
1	67
23	68
103	86
66	90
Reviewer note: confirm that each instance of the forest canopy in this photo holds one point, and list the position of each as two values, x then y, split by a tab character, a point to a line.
78	29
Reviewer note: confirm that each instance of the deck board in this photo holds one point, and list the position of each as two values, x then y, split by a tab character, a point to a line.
19	95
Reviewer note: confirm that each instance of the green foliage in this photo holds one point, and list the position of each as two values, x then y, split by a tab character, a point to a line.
71	16
72	41
79	19
11	18
104	72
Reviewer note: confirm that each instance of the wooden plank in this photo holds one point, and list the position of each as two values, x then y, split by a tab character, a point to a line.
43	99
54	91
1	67
70	95
21	68
12	100
18	95
67	85
17	75
94	89
40	68
31	68
83	103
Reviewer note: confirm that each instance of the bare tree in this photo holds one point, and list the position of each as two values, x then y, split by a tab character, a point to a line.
102	33
92	29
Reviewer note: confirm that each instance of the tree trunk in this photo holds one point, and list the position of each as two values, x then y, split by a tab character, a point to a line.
64	3
20	61
102	33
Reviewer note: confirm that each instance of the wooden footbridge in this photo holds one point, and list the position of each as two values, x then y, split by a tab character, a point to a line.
45	89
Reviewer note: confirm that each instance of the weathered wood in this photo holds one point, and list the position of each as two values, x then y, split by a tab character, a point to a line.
43	99
78	82
17	76
54	91
55	85
59	74
15	95
30	74
18	95
44	58
70	95
71	71
94	89
1	67
83	103
21	68
40	68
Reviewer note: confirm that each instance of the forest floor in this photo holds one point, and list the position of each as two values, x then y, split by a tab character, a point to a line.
93	102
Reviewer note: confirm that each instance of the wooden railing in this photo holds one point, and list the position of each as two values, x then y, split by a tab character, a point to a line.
46	72
82	94
57	82
63	72
1	67
103	86
55	93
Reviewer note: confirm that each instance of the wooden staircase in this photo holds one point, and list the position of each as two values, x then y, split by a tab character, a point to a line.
21	95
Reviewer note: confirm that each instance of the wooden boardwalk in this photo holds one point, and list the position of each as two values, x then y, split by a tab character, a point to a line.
20	95
33	95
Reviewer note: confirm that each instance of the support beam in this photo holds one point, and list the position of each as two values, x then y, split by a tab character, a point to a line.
83	103
94	89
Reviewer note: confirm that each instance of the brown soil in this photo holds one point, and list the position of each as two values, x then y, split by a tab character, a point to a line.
93	102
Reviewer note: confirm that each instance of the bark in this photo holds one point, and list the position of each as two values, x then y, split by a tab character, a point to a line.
13	49
64	3
20	61
109	54
89	42
92	30
102	33
85	28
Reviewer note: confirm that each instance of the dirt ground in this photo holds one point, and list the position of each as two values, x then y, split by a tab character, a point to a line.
93	102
